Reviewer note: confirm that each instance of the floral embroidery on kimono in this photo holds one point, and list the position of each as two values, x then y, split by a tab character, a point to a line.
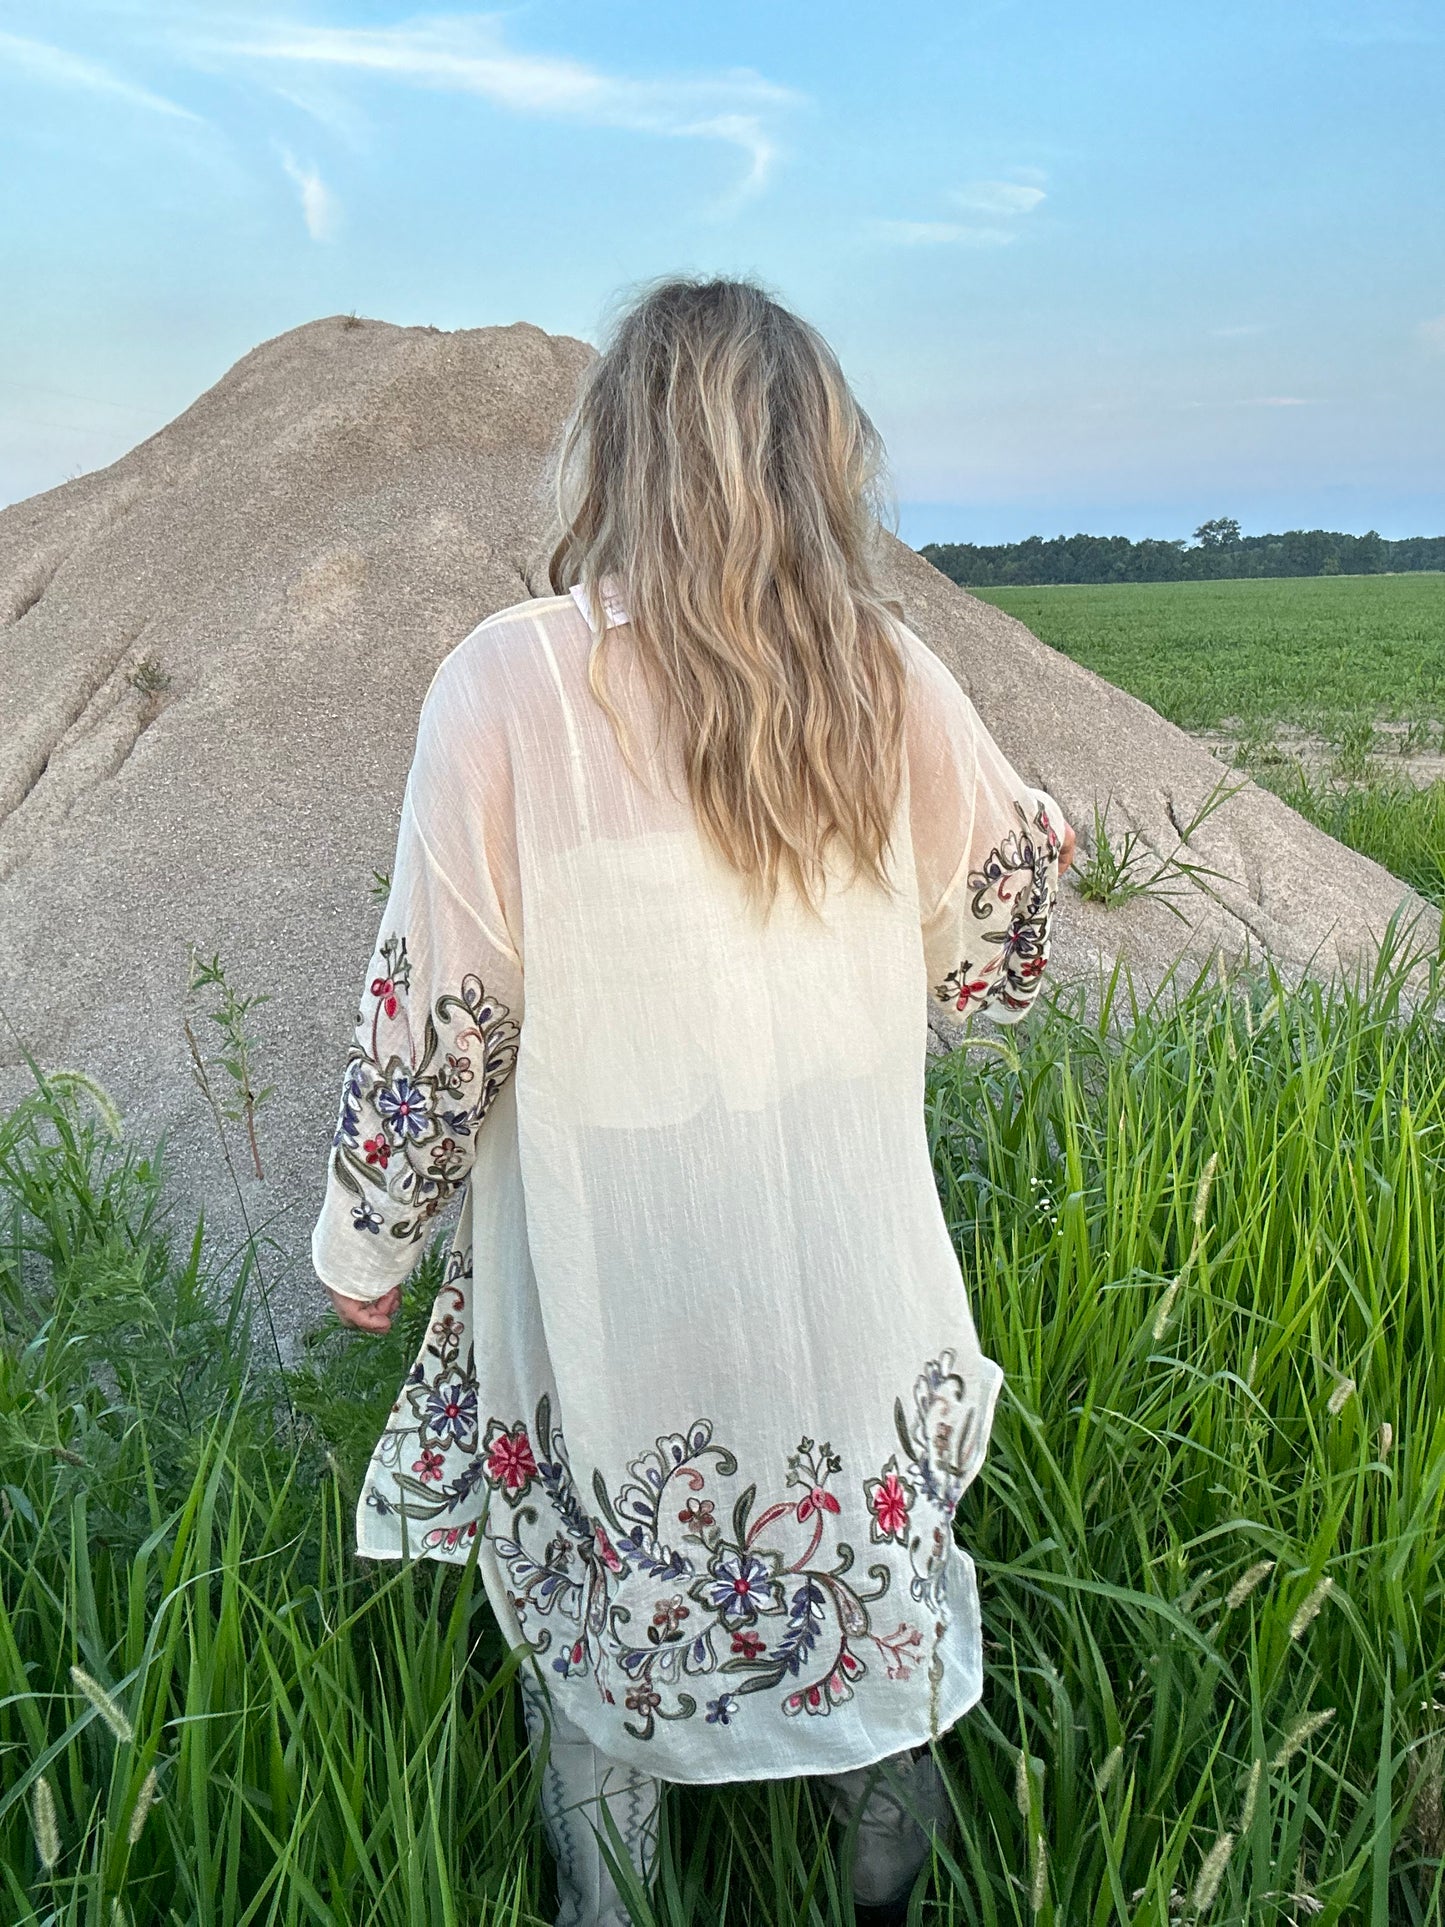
408	1110
681	1587
1013	896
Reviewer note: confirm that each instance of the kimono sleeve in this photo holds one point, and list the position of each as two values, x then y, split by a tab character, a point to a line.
436	1038
986	938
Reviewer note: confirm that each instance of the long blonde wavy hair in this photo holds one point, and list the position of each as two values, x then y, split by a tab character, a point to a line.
719	467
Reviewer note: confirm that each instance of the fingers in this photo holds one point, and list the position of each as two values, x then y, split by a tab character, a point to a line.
1066	851
374	1315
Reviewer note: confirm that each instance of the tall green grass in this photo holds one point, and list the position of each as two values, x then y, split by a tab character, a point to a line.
1387	818
1203	1235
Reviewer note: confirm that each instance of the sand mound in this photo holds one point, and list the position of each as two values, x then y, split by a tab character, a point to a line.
212	654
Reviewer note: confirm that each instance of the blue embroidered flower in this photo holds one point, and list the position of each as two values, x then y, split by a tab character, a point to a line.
721	1710
740	1587
364	1218
451	1412
403	1105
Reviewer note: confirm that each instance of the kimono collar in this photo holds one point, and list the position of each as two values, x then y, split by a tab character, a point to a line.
613	606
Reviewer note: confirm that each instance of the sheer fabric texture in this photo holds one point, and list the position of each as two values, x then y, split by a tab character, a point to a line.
702	1373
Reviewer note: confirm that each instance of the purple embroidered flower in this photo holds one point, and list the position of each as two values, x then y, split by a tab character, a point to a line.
348	1124
721	1710
364	1218
740	1587
451	1412
403	1105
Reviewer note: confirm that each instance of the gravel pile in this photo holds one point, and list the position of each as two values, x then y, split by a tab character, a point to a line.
212	654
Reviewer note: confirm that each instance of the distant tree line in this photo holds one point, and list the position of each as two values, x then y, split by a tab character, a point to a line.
1218	550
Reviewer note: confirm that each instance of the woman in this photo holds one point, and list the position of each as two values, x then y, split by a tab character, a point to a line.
684	850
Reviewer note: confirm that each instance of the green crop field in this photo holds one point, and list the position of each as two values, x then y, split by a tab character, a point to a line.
1338	656
1297	650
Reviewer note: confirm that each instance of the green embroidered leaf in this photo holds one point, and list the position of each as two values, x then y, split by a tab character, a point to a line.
740	1514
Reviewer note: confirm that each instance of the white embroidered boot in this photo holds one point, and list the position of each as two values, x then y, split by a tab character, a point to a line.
577	1782
904	1807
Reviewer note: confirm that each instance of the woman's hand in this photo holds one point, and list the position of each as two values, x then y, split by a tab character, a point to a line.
1066	848
367	1314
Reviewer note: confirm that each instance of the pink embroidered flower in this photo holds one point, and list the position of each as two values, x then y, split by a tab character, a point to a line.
448	1538
970	992
890	1506
606	1551
749	1645
510	1463
429	1465
377	1150
834	1691
385	989
697	1514
669	1616
817	1500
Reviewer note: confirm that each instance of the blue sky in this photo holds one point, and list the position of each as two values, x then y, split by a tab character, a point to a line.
1117	267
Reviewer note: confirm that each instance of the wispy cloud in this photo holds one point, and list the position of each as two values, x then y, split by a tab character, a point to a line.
1432	333
318	204
934	234
331	110
466	54
61	68
1005	201
999	197
1278	401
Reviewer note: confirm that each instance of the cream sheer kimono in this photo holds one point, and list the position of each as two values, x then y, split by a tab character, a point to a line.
702	1373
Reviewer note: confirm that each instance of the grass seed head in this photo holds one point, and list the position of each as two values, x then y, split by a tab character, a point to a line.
1211	1873
47	1833
1387	1438
1109	1771
1251	1794
1206	1185
1428	1811
108	1707
1298	1736
1039	1889
1021	1782
144	1801
1166	1305
1340	1397
1246	1583
1309	1606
